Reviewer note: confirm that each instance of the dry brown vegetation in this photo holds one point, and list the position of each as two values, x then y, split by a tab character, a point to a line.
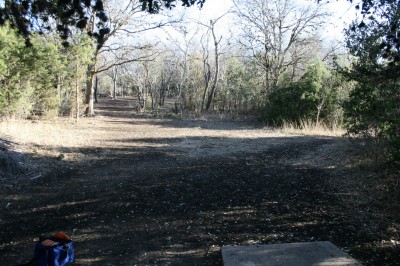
187	187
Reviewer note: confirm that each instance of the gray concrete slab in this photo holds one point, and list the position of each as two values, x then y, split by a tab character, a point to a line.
322	253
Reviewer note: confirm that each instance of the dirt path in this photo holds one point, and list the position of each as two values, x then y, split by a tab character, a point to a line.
163	192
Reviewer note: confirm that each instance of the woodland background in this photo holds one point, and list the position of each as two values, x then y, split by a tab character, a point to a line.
263	59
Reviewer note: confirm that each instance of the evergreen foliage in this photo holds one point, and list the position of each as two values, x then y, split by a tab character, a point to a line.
12	65
315	98
373	109
154	6
37	79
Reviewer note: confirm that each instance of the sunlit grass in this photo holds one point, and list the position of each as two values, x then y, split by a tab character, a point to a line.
308	127
67	139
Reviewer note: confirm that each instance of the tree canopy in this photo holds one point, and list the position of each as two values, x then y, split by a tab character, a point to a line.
383	18
373	107
41	15
34	15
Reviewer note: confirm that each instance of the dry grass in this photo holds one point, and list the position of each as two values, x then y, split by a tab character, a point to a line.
66	136
309	128
45	138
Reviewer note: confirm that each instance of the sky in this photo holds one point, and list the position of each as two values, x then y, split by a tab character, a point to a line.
343	12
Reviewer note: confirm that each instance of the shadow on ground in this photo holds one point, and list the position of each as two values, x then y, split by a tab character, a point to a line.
159	206
146	206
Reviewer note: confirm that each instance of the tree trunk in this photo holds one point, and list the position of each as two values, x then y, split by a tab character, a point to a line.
95	89
77	94
207	75
153	97
318	114
59	88
216	57
319	108
114	78
114	88
90	91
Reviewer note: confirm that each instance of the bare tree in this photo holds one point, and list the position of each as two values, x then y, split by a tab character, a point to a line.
216	61
276	33
127	22
206	66
206	69
181	57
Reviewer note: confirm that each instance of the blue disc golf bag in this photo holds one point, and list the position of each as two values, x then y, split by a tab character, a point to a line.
59	254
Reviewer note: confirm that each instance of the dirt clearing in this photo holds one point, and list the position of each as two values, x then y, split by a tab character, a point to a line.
137	190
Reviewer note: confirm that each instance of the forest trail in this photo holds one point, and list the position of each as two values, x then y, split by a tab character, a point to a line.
147	191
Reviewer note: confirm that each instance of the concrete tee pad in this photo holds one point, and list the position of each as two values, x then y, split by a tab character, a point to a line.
322	253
